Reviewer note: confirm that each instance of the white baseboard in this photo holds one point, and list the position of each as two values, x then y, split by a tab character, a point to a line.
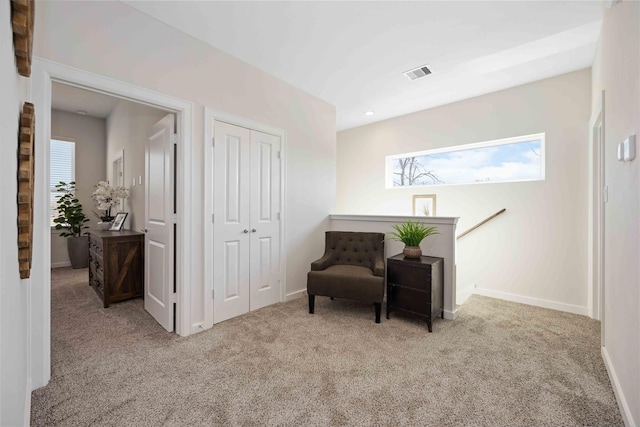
617	390
463	295
450	315
569	308
27	405
295	295
197	327
60	264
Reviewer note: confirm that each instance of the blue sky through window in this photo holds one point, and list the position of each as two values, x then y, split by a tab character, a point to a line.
521	160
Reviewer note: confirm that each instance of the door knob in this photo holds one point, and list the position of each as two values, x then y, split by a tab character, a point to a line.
245	231
253	230
144	230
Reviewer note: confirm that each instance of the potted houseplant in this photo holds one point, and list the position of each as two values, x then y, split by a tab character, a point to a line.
107	197
71	220
411	234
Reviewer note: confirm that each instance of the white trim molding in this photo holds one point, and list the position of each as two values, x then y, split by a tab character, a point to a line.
450	220
27	404
44	72
296	294
623	405
463	295
60	264
210	117
595	215
553	305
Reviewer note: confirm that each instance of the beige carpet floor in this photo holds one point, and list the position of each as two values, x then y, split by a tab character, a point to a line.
498	364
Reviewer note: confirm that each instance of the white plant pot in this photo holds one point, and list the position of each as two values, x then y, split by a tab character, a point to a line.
104	225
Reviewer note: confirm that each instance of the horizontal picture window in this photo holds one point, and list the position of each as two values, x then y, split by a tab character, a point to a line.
505	160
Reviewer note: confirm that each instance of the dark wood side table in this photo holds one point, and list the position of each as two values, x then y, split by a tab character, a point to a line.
116	265
415	286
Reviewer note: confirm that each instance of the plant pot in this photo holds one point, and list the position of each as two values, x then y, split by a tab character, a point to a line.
78	248
412	252
104	225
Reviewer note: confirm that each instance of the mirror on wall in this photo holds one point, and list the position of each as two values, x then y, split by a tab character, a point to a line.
118	175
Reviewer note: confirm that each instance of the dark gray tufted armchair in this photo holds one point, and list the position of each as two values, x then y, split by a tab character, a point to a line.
352	267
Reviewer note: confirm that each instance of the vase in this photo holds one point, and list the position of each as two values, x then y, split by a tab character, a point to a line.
412	252
104	225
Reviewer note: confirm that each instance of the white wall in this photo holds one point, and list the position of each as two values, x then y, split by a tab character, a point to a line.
536	251
127	129
14	293
617	71
115	40
89	134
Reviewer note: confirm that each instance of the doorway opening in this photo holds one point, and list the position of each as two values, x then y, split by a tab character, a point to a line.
597	198
44	75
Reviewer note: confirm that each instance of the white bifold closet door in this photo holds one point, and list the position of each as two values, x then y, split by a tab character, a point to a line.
246	223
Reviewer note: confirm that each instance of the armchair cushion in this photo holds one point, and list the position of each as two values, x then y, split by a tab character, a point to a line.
346	281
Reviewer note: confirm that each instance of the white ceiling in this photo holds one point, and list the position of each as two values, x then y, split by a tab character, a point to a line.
73	99
352	54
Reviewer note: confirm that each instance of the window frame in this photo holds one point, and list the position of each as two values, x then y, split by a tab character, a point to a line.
451	149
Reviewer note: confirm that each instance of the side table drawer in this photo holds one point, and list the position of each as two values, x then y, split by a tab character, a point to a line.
410	277
413	300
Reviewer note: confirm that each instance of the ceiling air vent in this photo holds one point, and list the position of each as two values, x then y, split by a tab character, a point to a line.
417	73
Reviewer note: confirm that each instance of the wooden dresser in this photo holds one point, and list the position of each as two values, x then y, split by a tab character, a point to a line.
415	286
116	264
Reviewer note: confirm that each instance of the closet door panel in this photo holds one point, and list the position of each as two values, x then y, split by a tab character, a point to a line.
265	220
231	246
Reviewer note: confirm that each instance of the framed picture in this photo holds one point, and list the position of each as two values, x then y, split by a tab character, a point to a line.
424	205
118	221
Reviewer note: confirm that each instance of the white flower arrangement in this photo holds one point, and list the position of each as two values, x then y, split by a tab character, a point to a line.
107	197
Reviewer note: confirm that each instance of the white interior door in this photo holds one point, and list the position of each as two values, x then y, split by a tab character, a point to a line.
159	294
246	224
265	220
231	221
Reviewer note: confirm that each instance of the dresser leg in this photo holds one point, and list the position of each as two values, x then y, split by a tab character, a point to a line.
378	310
429	325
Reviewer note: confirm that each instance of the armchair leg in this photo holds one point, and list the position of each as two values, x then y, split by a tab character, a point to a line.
378	306
312	300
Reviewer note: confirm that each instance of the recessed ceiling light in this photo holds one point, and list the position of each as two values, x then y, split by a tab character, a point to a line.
81	112
369	113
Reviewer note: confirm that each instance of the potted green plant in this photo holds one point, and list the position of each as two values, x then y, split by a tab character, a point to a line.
71	220
411	234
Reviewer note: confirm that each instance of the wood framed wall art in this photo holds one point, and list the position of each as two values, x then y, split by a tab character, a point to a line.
22	17
26	170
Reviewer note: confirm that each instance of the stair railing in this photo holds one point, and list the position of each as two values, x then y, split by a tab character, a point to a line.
481	223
